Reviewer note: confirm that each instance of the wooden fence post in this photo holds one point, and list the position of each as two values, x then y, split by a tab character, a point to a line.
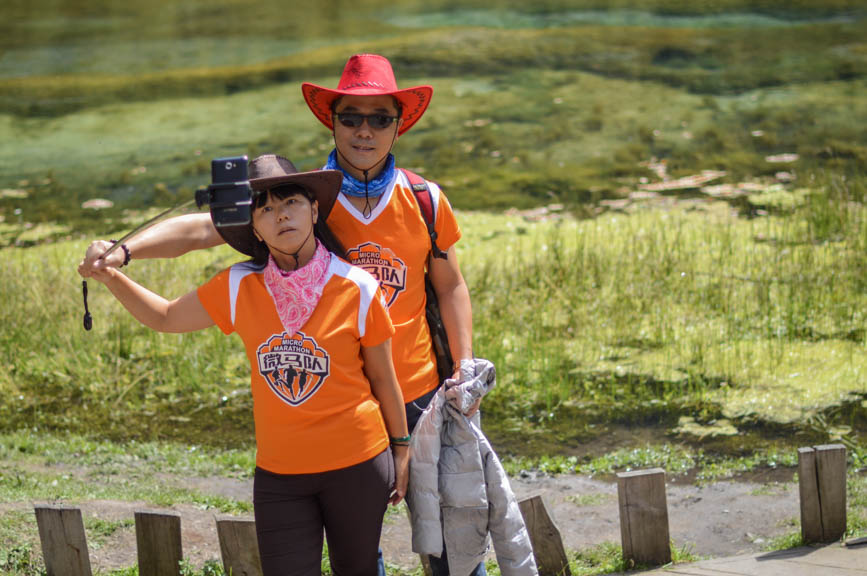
545	538
158	541
822	488
424	560
644	517
239	546
64	544
808	488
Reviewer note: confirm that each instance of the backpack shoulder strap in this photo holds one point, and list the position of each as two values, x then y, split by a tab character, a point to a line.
424	199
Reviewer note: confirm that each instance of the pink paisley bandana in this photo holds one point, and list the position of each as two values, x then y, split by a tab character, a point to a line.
296	293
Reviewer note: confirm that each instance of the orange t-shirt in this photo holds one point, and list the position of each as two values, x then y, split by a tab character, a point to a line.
393	245
312	404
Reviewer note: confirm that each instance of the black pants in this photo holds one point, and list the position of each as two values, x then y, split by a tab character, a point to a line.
292	509
415	408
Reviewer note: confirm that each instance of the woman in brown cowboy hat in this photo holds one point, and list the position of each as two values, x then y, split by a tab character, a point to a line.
331	434
377	218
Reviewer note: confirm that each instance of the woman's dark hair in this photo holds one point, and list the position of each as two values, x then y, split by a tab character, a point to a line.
321	230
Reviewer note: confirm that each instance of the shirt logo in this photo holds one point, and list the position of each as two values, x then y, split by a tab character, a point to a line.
389	270
293	366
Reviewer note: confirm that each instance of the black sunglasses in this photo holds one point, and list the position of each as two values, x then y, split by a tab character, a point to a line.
375	121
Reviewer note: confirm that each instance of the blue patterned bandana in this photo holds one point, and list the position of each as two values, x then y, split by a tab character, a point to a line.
354	187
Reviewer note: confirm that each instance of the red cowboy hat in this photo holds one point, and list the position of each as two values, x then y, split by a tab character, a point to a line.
368	75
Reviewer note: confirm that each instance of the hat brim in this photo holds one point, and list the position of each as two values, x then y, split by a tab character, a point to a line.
324	184
413	101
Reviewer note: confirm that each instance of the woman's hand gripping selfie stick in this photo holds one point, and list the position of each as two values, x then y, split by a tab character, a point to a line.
88	319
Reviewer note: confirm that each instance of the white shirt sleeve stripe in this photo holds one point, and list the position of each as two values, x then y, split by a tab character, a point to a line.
236	274
367	286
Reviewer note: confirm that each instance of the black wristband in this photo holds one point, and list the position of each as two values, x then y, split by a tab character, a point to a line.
126	253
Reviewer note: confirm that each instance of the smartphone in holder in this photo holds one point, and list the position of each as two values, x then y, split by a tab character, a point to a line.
229	195
229	170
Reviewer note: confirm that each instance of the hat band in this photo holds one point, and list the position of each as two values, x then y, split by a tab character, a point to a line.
365	84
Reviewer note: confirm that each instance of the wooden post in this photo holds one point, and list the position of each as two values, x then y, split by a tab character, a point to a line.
822	487
424	559
64	545
545	538
239	546
831	471
644	517
808	488
158	540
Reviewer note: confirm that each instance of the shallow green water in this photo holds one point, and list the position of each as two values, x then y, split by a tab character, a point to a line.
47	37
130	56
511	19
554	101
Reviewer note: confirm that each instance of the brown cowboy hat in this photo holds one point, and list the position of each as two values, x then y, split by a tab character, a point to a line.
368	75
269	171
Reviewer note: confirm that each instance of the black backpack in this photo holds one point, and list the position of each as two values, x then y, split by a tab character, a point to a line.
445	363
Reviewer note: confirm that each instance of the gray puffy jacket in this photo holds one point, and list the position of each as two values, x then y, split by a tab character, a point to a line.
458	489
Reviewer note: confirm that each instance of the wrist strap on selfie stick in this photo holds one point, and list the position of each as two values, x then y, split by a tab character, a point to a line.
88	319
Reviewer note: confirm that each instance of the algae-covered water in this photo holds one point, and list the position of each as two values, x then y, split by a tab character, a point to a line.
533	103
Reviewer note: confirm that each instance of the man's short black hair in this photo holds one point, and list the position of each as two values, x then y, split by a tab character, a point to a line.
397	106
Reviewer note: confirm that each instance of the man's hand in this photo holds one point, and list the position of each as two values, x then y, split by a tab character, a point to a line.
466	370
92	265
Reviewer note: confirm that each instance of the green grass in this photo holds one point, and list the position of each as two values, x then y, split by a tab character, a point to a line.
856	506
743	319
594	499
18	485
74	468
678	461
98	530
18	534
607	557
629	317
112	458
21	561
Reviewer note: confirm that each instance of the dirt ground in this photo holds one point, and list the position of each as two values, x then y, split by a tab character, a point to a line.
720	519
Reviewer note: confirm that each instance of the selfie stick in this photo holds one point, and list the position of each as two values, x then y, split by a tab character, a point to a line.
209	195
142	227
88	319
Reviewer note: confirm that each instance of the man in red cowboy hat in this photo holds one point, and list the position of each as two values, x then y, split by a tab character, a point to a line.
377	219
379	222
